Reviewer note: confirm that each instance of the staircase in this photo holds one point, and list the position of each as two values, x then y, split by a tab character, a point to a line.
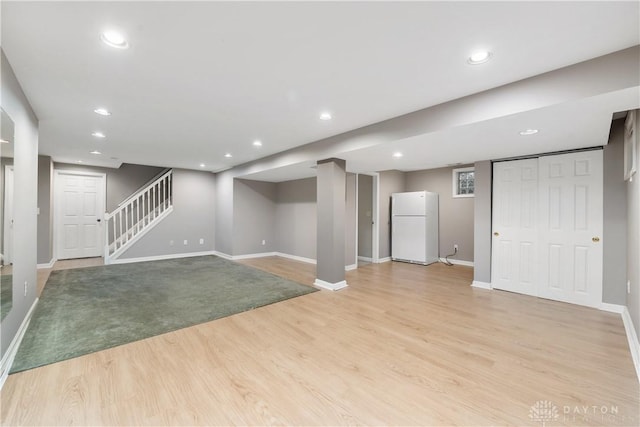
137	215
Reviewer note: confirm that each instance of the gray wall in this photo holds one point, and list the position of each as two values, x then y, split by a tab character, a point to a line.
192	219
365	216
254	213
284	214
482	222
455	214
350	221
121	182
633	242
25	249
614	290
45	207
389	182
224	212
296	221
332	197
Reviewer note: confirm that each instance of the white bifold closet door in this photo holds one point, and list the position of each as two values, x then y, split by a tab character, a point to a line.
547	227
571	207
515	226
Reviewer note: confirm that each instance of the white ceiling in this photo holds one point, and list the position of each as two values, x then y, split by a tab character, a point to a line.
204	78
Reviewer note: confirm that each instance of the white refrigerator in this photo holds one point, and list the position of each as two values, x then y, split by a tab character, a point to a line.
414	227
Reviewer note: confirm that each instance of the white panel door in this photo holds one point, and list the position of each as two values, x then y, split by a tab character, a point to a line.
80	205
571	218
515	235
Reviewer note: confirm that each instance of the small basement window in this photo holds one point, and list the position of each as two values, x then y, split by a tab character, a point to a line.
463	182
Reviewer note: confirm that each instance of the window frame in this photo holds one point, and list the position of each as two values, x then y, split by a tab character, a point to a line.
454	179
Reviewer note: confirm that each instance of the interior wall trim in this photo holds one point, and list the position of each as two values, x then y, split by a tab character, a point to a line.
481	285
330	286
12	350
612	308
551	153
163	257
632	337
48	264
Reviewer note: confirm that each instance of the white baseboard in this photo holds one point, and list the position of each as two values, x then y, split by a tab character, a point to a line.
283	255
385	259
250	256
47	265
223	255
10	354
461	262
612	308
330	286
264	254
481	285
632	337
162	257
296	258
365	259
350	267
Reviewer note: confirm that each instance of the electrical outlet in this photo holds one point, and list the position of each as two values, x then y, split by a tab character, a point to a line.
26	286
455	247
186	242
264	242
628	286
202	241
170	242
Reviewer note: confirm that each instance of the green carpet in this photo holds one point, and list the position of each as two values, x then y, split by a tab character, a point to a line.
6	295
90	309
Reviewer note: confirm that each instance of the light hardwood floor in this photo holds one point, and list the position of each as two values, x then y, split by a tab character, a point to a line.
402	345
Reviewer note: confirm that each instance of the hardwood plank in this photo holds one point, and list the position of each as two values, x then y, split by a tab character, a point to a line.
403	344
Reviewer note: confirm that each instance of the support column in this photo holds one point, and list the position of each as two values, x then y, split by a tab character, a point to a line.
331	184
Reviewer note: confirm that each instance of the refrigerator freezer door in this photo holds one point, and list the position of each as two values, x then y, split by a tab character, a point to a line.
408	203
408	238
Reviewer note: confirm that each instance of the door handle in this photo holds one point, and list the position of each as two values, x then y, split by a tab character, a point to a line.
595	239
495	233
98	220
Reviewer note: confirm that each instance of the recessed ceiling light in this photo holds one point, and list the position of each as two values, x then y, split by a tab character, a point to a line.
202	165
3	141
257	143
98	135
397	154
228	155
479	57
95	152
114	39
325	116
528	132
102	111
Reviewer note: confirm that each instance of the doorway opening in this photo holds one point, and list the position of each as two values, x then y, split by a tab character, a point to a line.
367	219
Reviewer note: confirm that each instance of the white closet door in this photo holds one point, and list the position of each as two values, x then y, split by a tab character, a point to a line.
515	226
571	218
